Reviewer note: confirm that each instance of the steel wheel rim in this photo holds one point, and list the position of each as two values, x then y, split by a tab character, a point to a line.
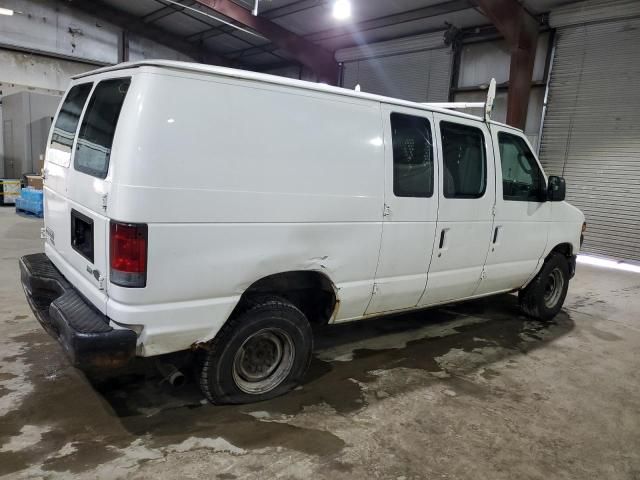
263	361
553	288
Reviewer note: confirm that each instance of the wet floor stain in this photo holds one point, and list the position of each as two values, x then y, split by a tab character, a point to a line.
92	419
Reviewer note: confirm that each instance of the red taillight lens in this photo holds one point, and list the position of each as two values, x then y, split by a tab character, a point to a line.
128	254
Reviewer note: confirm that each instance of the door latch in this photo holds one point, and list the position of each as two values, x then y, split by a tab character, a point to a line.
386	211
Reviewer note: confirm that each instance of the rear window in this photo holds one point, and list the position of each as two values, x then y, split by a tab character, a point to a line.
64	131
412	156
464	161
98	127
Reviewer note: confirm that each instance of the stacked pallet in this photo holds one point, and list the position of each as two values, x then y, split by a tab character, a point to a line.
30	202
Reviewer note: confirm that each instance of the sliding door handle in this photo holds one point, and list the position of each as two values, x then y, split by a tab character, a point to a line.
442	234
496	234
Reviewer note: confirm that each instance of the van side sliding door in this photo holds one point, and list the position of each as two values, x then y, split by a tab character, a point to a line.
465	215
410	209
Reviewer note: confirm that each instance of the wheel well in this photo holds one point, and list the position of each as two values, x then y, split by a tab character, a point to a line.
564	248
312	292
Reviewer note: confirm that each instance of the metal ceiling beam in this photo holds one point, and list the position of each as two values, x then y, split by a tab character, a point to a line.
302	50
135	25
356	30
165	11
520	30
443	8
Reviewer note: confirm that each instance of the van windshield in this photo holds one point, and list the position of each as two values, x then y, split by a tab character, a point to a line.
98	127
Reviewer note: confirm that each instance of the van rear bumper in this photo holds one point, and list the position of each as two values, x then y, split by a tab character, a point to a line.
84	333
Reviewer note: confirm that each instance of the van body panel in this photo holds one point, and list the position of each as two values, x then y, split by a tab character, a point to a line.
205	233
237	177
256	139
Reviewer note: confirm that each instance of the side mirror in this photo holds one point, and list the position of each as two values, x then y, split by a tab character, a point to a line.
556	189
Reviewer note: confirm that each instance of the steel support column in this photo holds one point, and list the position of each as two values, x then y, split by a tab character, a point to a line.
520	30
302	50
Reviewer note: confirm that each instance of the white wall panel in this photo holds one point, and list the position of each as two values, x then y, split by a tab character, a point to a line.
481	61
54	27
413	68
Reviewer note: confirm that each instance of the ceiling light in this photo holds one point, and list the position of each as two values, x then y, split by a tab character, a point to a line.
6	11
341	9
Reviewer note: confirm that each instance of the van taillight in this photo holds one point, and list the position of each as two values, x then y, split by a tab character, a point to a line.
128	254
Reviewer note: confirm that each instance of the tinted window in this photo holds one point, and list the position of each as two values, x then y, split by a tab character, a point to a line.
64	131
464	160
521	177
98	126
412	156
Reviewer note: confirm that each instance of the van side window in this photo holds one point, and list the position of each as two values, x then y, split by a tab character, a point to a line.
412	156
98	127
464	161
522	179
64	131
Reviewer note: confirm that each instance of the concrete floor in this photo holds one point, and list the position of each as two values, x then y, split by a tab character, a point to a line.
469	391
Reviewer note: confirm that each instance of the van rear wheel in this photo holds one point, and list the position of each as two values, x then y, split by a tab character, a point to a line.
259	354
544	296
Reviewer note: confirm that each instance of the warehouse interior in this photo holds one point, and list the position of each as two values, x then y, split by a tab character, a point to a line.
471	390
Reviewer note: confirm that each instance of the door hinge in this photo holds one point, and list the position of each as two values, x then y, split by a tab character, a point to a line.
101	282
483	275
386	211
375	289
105	197
43	233
493	211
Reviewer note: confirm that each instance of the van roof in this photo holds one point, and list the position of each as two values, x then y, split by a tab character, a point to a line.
274	79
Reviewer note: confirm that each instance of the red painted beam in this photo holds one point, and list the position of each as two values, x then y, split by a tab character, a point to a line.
307	53
520	30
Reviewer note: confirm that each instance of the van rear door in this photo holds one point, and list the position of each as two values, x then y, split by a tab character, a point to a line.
77	183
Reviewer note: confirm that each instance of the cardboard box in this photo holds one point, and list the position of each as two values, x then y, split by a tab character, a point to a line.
34	181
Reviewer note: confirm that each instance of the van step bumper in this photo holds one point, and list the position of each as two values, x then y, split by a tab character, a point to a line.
84	333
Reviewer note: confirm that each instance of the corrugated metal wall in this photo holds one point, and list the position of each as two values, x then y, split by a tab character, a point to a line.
591	131
415	68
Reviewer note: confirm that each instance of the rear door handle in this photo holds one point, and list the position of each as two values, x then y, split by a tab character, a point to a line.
441	239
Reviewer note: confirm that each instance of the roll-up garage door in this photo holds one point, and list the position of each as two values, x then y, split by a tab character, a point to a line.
417	68
591	132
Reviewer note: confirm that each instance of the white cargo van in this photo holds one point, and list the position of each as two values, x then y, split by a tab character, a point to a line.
191	207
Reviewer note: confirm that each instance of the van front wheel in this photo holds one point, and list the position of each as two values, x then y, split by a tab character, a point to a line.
260	354
544	296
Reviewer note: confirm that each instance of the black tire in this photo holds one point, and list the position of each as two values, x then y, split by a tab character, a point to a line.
273	321
537	299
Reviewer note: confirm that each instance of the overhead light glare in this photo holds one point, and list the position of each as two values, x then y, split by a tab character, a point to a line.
6	11
341	9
